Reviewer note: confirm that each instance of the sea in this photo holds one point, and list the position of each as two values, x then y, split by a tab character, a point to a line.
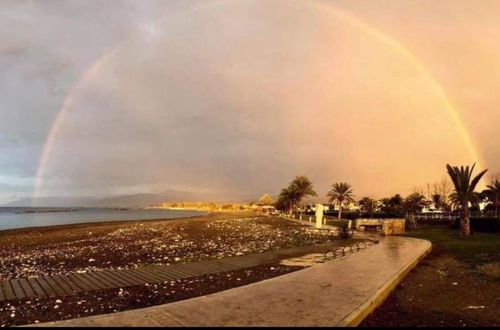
24	217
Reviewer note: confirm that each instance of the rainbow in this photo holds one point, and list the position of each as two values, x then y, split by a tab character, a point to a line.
341	15
59	118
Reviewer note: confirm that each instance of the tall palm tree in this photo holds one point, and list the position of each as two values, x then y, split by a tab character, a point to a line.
368	205
287	199
298	189
464	192
494	190
414	203
303	187
340	192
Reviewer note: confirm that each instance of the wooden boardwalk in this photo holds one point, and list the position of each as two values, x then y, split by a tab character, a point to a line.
64	285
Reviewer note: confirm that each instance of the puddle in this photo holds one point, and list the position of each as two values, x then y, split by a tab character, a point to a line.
304	261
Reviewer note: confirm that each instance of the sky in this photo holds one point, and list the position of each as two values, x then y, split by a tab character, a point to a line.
101	97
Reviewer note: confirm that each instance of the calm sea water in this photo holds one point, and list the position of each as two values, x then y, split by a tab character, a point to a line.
22	217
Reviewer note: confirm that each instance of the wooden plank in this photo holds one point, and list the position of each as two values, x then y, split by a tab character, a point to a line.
130	277
230	267
187	273
133	276
59	291
146	277
90	284
95	280
224	266
46	287
117	282
109	284
166	276
124	279
193	269
204	269
74	286
30	293
158	278
63	285
169	275
18	290
177	275
38	289
80	282
2	295
7	289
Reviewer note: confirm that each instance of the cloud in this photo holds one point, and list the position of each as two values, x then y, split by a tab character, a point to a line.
241	96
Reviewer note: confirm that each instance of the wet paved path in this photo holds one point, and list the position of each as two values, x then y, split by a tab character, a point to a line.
65	285
337	293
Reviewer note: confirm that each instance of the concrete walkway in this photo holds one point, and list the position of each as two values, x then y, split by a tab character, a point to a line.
337	293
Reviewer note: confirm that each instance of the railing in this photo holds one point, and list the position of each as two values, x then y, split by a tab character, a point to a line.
432	217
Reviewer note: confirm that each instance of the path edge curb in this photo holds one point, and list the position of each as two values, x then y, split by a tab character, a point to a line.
381	294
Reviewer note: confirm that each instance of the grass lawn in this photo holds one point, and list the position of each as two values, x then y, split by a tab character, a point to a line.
476	249
457	284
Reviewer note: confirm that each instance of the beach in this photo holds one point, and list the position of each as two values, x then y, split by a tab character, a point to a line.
60	250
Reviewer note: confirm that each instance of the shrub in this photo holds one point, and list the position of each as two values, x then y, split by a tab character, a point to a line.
343	231
411	222
482	225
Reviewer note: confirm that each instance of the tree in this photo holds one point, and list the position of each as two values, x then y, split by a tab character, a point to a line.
392	206
265	199
464	192
302	187
493	192
340	192
437	199
287	199
414	203
368	205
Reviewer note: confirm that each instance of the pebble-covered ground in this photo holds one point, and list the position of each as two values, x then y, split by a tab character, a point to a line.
90	247
110	301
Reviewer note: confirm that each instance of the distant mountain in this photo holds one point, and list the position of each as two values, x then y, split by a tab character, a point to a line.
134	200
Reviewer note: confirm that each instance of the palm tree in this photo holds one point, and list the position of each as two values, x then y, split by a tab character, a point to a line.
392	206
493	189
303	187
340	192
464	192
438	201
291	196
287	199
414	203
368	205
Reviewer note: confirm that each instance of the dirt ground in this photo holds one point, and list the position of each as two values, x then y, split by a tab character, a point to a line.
442	291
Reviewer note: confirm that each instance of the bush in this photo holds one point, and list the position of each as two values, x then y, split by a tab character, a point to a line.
410	222
336	222
482	225
344	231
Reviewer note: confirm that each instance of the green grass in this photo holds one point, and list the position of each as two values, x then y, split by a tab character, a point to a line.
477	249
